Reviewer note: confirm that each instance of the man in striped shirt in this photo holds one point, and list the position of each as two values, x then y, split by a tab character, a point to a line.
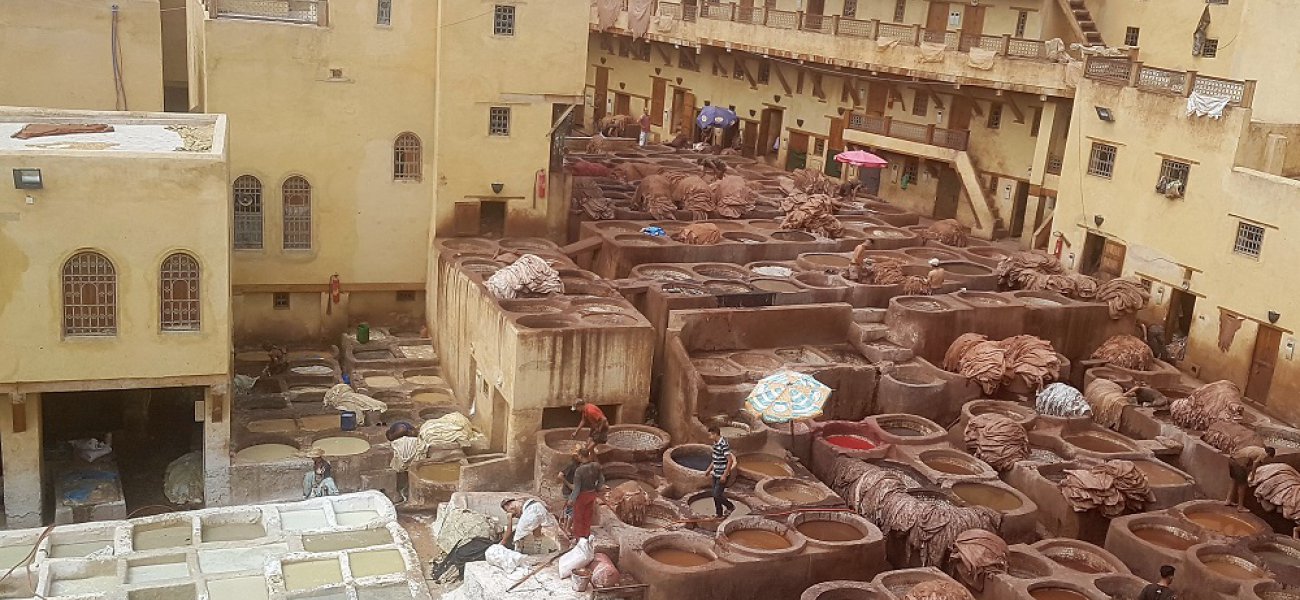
721	466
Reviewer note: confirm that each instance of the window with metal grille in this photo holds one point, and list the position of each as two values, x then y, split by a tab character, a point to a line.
851	8
1173	177
384	12
499	120
995	115
280	301
1210	49
407	157
920	104
1131	36
178	282
247	191
1101	162
911	166
819	146
900	10
687	59
641	51
1250	239
1022	21
764	72
624	48
89	295
296	193
503	20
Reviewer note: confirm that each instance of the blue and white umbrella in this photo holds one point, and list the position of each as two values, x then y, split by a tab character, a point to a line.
715	116
786	396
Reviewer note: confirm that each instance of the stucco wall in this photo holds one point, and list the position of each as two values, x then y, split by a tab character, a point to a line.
56	54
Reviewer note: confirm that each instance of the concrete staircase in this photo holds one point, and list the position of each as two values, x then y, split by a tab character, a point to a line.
990	217
1080	19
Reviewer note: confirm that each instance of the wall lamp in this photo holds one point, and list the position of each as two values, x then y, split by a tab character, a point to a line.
1105	114
28	179
497	186
1098	219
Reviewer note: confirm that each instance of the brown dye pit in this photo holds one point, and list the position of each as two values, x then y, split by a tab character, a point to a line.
645	485
631	439
1053	593
829	260
704	506
440	472
796	493
774	285
765	464
1097	443
678	558
1159	475
829	531
950	466
382	382
987	495
758	539
901	431
1076	563
426	380
965	269
1277	556
1232	568
1163	537
431	398
608	320
1223	523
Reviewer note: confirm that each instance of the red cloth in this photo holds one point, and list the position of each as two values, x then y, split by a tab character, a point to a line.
592	416
584	508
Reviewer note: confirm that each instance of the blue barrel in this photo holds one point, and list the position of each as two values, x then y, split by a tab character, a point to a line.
347	420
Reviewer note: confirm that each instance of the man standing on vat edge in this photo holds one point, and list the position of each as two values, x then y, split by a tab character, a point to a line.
722	465
593	417
1160	590
1241	463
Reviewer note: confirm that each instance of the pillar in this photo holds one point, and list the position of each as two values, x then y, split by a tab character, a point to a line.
22	453
216	445
1038	172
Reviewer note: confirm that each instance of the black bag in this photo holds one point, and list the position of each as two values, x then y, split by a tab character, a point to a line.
467	551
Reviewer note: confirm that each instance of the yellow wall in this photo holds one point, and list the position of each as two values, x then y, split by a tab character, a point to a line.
136	209
56	54
1165	31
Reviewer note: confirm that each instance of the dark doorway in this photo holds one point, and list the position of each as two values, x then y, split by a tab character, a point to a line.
870	179
1090	259
877	98
769	131
1263	362
1178	321
1018	208
796	156
602	97
750	139
947	194
622	104
492	218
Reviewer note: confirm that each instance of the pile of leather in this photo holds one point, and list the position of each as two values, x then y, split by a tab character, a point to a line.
615	124
655	196
938	589
930	527
1227	437
585	168
1038	271
997	440
985	364
947	231
1024	358
958	348
1107	400
629	501
635	171
733	197
1124	296
1113	488
699	234
529	274
1218	401
814	213
1062	400
1126	351
1031	360
598	144
980	553
1277	485
693	193
812	181
712	168
588	198
915	285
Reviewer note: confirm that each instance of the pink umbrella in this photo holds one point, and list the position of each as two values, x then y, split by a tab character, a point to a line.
861	158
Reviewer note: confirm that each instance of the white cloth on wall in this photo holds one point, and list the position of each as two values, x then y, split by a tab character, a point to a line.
980	58
932	52
1202	105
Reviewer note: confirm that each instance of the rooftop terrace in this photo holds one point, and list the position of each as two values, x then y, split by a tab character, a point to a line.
96	131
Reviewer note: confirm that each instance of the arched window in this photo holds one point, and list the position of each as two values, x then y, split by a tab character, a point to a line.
178	283
297	213
406	157
89	295
248	213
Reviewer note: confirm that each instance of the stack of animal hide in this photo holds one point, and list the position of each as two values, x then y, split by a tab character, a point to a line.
1107	400
529	274
938	589
997	440
598	144
1024	358
655	196
1062	400
1218	401
733	197
584	168
699	234
981	553
692	193
630	172
1125	351
964	342
985	364
916	285
1030	360
1113	488
887	271
812	181
1038	271
1227	437
713	168
615	124
588	198
880	495
947	231
629	501
1277	485
1124	296
814	213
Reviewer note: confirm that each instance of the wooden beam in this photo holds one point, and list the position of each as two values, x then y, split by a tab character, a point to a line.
663	52
1011	101
780	76
892	91
744	68
817	87
975	107
935	97
852	85
798	88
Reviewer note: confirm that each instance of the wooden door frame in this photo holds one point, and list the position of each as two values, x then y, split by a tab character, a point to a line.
1270	350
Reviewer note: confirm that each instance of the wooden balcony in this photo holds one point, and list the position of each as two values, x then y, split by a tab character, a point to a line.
955	139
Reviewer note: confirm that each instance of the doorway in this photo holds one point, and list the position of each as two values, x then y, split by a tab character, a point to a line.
749	139
796	156
602	96
972	27
1102	257
1263	362
936	23
769	131
1018	208
658	91
492	218
947	193
622	105
870	180
1178	320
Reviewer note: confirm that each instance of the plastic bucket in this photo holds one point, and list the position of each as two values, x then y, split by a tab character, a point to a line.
363	333
347	420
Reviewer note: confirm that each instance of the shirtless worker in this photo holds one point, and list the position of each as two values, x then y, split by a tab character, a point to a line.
1241	463
593	417
934	279
861	268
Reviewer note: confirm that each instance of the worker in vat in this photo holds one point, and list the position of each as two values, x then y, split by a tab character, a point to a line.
1160	590
588	480
721	467
1241	464
276	356
591	416
861	268
565	477
319	481
934	279
534	524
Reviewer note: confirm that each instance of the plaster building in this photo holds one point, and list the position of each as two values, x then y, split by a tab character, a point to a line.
115	293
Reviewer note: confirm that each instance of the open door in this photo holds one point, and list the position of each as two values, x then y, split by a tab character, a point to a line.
1263	362
796	156
972	27
658	93
936	23
687	118
947	193
749	139
769	131
877	98
602	95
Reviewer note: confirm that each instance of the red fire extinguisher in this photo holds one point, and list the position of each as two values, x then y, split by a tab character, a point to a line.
1060	245
335	292
540	185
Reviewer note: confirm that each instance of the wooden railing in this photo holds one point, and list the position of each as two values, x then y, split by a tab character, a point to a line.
956	139
292	11
909	35
1126	72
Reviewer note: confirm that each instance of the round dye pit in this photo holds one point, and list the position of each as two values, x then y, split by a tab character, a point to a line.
792	490
1163	536
850	442
319	422
1056	593
1079	560
952	464
631	439
426	380
695	457
1232	567
758	539
1277	555
382	382
733	430
774	285
341	446
703	505
1098	442
826	260
644	485
439	472
793	236
987	495
829	531
765	464
266	453
676	557
1158	474
760	362
1223	523
432	398
607	320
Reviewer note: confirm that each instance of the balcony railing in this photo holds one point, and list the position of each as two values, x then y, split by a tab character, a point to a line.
1126	72
909	35
314	12
956	139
